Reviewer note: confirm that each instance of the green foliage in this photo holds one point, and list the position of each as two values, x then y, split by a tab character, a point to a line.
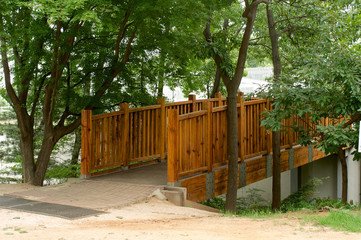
300	199
341	220
251	205
322	203
322	75
62	172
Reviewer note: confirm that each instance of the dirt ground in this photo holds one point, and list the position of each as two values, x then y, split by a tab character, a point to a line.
159	219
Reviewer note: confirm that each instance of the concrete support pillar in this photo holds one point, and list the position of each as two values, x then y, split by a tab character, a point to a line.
242	174
310	153
210	185
269	166
174	184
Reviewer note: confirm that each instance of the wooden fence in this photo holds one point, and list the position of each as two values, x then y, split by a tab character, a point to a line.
131	136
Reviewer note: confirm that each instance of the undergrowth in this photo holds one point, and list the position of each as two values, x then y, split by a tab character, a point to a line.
254	205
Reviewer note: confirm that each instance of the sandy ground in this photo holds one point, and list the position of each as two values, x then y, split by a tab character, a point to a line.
157	219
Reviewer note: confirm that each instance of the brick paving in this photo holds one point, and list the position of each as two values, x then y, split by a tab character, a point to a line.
91	194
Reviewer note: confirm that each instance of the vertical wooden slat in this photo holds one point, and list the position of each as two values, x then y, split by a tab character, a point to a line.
208	136
125	137
144	139
173	145
86	142
97	142
161	126
114	141
108	148
92	146
139	136
102	142
148	132
269	133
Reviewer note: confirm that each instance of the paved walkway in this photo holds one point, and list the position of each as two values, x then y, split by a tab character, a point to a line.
109	191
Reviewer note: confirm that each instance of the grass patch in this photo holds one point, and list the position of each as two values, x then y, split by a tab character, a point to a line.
340	220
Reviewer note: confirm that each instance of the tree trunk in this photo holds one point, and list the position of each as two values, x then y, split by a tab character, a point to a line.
342	157
27	155
276	141
276	172
232	150
76	148
217	81
42	162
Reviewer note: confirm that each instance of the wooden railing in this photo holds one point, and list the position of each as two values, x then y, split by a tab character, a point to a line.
130	136
197	142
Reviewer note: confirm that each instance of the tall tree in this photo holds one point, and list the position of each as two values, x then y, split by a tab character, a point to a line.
231	78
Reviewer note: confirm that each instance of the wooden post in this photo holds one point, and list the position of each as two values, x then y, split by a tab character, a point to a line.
241	126
173	119
192	97
86	123
269	132
162	127
208	135
219	96
125	137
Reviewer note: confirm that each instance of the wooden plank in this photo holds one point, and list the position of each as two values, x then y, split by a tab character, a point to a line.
220	181
97	143
107	115
153	137
219	109
192	115
86	123
207	129
254	102
142	109
108	148
317	154
300	156
284	161
192	134
173	145
139	135
126	138
148	133
256	164
113	141
192	171
196	188
103	141
141	164
92	147
139	159
161	127
144	113
255	176
182	145
131	135
176	104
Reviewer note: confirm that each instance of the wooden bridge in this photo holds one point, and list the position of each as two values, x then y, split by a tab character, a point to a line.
192	137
